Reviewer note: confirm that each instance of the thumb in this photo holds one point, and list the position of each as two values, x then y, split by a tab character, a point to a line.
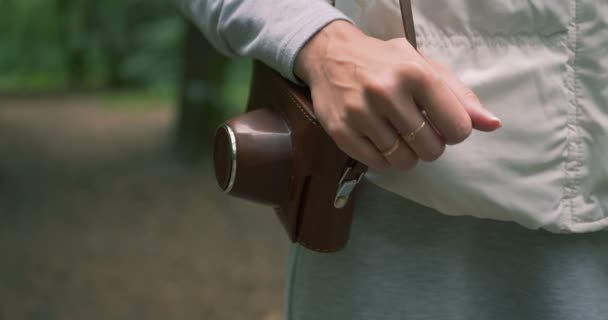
481	118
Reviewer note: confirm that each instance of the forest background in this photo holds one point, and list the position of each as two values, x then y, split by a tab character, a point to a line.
108	203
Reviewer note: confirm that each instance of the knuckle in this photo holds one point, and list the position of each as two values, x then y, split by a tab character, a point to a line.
408	164
462	130
382	92
414	72
336	131
395	43
377	87
406	161
434	153
377	164
470	96
356	110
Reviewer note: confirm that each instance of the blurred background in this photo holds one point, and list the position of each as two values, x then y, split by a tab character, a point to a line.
108	204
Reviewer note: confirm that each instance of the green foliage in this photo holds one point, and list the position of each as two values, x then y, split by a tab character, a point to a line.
53	44
236	86
135	101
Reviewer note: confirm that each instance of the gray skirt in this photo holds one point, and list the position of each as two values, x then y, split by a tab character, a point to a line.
406	261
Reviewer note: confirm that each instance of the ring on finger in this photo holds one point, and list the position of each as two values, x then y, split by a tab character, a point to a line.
392	148
411	136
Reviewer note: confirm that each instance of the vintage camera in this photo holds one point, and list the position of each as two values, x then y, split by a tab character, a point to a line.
278	154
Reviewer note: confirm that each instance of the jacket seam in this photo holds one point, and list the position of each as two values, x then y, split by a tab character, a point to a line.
572	155
474	39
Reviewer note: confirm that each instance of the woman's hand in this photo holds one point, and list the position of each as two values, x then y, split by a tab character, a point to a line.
367	92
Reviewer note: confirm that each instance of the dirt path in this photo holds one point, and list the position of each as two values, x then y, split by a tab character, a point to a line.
98	221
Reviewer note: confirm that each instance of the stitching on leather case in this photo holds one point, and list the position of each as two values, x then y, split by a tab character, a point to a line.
315	123
293	98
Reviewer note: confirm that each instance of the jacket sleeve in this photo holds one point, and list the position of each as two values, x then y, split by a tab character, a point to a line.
272	31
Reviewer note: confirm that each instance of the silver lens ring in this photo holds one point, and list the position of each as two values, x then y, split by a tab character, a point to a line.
232	138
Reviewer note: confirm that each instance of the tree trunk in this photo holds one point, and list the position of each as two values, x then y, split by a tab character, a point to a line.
75	68
114	79
200	103
74	56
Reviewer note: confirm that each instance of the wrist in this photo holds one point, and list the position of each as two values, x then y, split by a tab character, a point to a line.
310	59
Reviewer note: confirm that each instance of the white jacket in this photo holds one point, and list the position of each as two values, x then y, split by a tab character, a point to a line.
541	66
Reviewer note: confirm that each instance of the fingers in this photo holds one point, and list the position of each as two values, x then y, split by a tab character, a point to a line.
404	158
386	139
431	94
367	107
481	118
405	118
358	147
424	140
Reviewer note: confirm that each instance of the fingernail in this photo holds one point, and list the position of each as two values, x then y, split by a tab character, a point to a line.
499	125
491	115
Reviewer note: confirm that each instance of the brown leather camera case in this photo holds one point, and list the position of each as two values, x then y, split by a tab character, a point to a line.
278	154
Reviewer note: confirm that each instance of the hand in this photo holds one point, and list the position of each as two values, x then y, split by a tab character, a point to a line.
366	92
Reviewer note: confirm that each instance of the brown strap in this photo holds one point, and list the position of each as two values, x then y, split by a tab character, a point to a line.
408	21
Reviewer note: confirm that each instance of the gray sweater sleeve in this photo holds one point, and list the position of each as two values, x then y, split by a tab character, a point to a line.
272	31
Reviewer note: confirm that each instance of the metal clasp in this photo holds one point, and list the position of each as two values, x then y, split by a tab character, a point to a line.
345	188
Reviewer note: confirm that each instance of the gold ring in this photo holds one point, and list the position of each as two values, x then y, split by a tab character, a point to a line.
393	148
409	138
